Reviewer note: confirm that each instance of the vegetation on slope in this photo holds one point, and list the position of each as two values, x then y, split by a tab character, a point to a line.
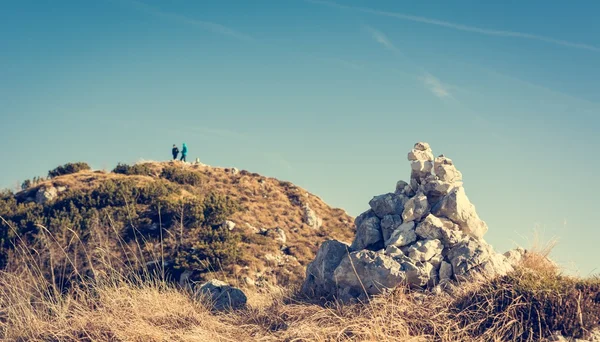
165	213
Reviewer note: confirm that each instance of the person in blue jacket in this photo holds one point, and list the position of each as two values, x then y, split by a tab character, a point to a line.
183	152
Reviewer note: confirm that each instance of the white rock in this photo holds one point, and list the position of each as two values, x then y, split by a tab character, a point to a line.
423	166
389	223
415	208
311	218
277	234
433	227
425	250
366	273
514	256
320	280
403	235
229	225
422	146
457	207
45	195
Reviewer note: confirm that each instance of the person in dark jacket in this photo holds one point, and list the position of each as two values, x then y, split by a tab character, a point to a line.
183	152
175	152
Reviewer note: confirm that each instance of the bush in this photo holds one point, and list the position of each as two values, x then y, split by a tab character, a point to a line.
68	168
181	176
211	249
217	208
529	306
136	169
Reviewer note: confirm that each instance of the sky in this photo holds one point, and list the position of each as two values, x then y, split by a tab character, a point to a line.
328	95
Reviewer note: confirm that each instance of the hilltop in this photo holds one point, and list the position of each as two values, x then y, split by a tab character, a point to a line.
170	212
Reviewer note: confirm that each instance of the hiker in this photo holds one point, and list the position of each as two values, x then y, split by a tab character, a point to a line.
183	152
175	152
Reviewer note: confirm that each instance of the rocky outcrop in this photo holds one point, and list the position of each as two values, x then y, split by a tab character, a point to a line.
424	234
46	194
311	218
222	296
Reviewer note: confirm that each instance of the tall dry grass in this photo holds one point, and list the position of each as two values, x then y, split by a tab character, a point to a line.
125	304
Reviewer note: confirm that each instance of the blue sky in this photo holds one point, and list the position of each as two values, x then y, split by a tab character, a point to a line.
328	95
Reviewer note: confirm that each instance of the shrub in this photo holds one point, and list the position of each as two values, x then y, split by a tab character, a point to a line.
529	306
211	249
181	176
68	168
136	169
217	208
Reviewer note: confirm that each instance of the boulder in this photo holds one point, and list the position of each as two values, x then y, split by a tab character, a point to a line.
366	273
467	255
387	204
229	225
415	208
433	227
404	189
446	171
457	207
417	273
45	194
277	234
403	235
222	296
515	256
424	250
445	271
368	232
389	223
320	280
311	218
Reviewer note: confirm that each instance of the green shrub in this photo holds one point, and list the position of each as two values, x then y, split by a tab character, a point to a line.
136	169
68	168
210	249
217	208
181	176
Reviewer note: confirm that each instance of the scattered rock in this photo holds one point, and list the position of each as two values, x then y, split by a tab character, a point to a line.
229	225
277	234
311	218
46	194
223	296
389	223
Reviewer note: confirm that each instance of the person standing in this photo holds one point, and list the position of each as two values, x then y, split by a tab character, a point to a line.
183	152
175	152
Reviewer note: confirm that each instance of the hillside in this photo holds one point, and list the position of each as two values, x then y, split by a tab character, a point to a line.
98	217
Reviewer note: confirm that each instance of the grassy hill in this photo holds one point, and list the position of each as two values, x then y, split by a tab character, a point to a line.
166	213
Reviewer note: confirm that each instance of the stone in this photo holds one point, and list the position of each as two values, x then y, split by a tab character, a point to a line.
393	251
365	273
445	271
433	227
249	281
222	296
422	146
368	232
389	223
229	225
439	188
320	280
277	234
403	235
311	218
417	273
424	250
457	207
404	189
467	255
45	195
446	172
387	204
415	208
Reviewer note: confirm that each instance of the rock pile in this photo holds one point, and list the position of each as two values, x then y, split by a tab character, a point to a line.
424	234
